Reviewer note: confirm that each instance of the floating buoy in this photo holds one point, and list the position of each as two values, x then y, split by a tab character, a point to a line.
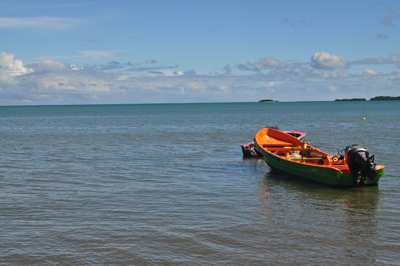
364	118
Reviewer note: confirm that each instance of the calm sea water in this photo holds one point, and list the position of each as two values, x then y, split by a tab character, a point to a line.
167	185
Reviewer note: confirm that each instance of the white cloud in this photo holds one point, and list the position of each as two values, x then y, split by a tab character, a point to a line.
322	60
334	75
392	59
395	58
50	66
65	83
394	76
269	86
51	77
96	54
382	36
269	62
10	68
295	24
228	68
166	73
390	17
75	67
41	22
55	82
86	55
370	74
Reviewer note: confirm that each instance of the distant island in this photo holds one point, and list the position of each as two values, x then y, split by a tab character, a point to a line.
385	98
353	99
377	98
267	101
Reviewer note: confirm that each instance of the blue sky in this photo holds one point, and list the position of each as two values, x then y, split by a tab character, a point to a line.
111	52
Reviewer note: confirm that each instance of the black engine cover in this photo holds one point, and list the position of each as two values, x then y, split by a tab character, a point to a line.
359	161
355	156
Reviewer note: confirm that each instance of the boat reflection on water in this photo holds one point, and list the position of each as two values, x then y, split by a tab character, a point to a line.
342	222
360	217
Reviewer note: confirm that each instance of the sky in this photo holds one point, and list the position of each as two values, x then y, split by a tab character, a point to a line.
129	52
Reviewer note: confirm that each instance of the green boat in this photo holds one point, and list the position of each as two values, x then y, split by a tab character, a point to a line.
294	157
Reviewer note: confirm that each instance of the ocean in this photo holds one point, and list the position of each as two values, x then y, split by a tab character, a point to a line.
166	184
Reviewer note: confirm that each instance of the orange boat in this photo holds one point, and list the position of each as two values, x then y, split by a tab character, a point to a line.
294	157
250	150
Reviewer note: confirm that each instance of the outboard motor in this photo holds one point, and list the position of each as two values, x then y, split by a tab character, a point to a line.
254	151
360	163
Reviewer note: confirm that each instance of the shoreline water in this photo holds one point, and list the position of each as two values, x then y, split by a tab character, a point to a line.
167	184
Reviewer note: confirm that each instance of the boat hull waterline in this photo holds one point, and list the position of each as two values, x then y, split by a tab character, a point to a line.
314	165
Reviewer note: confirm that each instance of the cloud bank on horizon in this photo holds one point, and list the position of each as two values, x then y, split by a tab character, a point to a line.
118	57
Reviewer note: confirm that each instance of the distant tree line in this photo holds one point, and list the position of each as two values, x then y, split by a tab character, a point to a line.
377	98
385	98
267	101
353	99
